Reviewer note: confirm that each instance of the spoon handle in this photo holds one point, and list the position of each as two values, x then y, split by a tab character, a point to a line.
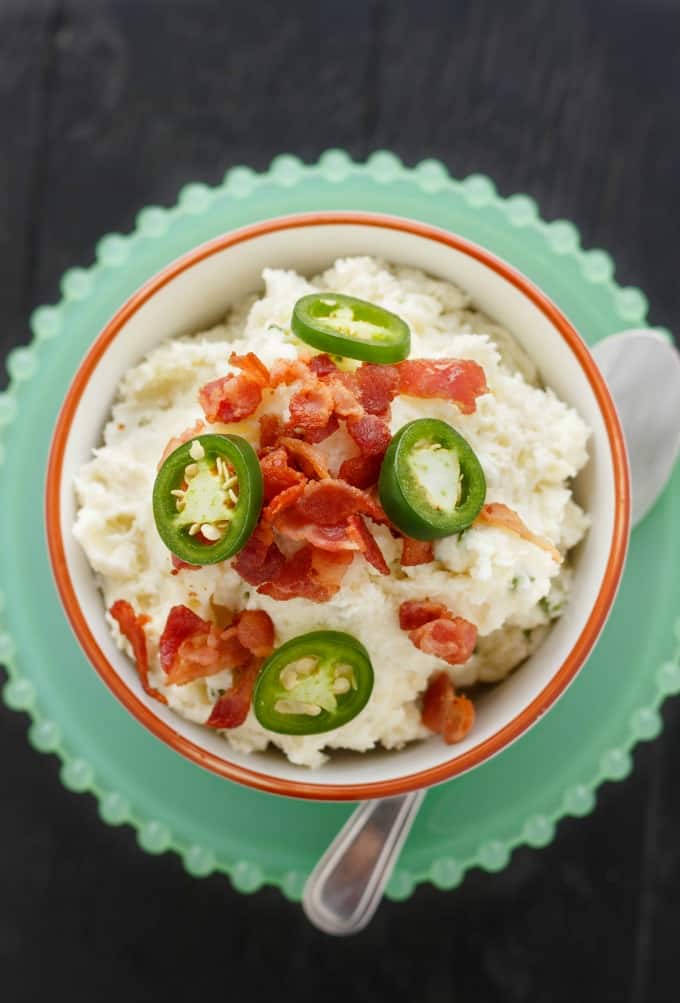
345	888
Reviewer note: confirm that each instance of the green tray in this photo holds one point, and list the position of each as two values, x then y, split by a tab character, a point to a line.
215	825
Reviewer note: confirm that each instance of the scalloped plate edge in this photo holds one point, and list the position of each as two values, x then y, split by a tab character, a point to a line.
113	251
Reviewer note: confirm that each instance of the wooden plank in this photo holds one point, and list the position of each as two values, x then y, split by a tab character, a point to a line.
26	46
113	104
575	104
148	101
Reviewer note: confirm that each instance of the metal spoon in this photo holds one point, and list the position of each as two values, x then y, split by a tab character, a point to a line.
642	371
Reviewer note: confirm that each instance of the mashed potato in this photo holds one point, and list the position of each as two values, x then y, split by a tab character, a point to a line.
529	443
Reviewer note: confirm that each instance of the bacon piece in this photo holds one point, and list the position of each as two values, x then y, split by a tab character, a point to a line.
499	515
193	648
180	565
360	471
311	406
271	427
444	712
369	547
371	434
230	398
296	526
255	632
416	552
288	371
132	627
179	440
231	709
251	365
260	560
278	474
331	501
345	391
310	459
459	380
416	612
349	535
181	624
309	574
205	654
378	386
450	638
283	501
378	514
322	365
314	435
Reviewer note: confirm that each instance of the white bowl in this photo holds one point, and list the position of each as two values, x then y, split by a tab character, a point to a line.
194	292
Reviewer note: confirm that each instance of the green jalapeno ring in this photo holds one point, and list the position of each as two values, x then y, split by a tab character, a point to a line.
212	484
313	683
429	448
350	327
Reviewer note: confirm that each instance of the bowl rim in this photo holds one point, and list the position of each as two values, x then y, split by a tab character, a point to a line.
529	714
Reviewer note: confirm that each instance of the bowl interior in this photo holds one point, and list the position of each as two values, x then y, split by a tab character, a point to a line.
197	296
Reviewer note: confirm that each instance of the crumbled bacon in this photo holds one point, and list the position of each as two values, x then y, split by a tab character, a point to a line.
271	427
416	552
230	398
309	574
178	440
331	501
231	709
459	380
445	712
282	501
371	434
311	406
415	612
251	365
369	547
278	474
132	627
452	639
360	471
378	386
192	648
315	435
181	623
295	526
260	560
349	533
288	371
310	459
499	515
322	365
345	393
255	631
205	654
435	630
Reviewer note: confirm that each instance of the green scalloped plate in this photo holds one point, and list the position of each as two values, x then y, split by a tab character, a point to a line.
216	825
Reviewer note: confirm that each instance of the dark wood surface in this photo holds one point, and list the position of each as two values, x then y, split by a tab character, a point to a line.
108	105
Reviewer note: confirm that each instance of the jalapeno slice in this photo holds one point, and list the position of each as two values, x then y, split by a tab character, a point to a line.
207	498
347	326
313	683
431	483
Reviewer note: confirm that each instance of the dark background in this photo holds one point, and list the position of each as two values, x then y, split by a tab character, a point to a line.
108	106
